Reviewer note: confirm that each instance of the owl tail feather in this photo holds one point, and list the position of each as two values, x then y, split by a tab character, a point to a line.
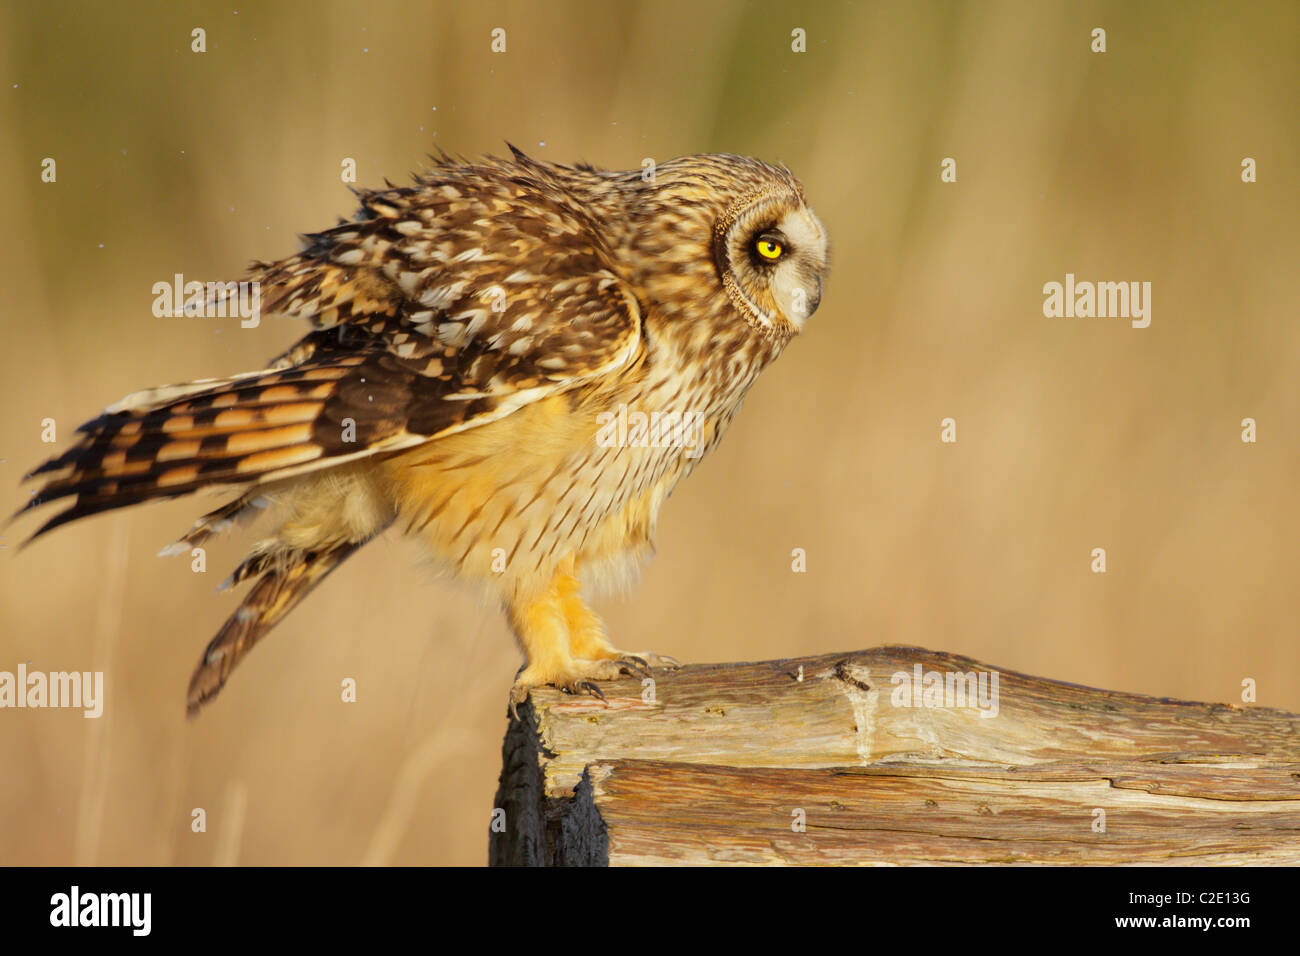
290	576
234	432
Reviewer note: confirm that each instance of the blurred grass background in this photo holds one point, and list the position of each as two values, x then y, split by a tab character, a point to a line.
1073	434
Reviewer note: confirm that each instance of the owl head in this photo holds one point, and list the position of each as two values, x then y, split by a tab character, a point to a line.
737	228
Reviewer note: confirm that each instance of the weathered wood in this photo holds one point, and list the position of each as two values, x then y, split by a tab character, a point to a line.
720	763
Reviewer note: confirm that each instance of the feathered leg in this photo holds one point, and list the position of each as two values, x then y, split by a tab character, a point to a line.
565	643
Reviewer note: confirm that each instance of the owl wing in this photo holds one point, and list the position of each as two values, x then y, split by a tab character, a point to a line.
493	260
485	307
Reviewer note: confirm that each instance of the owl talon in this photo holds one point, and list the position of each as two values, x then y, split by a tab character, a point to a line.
652	660
518	694
578	688
634	665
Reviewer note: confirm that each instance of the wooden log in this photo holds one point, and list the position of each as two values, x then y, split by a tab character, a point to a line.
891	756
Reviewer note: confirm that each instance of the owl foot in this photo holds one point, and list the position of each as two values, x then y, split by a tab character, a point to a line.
576	677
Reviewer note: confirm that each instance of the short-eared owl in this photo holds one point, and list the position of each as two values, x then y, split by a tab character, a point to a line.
514	360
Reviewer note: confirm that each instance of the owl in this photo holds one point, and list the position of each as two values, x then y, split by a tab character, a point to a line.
515	361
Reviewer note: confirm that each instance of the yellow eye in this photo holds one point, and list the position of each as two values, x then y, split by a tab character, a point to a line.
770	249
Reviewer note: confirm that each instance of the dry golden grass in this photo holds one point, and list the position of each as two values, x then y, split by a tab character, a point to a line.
1073	434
